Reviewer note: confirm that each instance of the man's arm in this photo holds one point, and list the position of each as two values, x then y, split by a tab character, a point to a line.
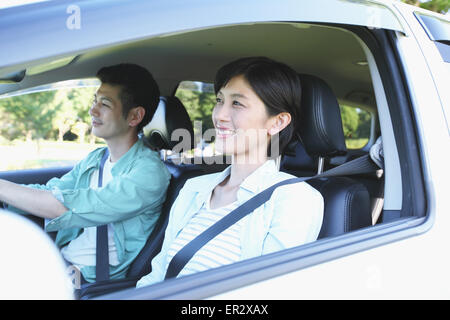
40	203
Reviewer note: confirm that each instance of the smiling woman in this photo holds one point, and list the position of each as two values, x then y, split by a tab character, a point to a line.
255	96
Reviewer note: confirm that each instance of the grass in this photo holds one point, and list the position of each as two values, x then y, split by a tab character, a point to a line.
356	143
29	155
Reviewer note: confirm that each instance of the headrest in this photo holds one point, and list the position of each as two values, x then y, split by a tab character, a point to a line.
169	116
321	125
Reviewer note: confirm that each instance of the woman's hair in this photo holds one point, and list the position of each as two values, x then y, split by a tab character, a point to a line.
138	88
275	83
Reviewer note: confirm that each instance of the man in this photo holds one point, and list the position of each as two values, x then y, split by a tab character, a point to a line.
134	183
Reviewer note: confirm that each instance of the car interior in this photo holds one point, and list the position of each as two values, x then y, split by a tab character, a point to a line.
335	68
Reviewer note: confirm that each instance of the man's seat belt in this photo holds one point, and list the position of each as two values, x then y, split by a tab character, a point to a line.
359	165
102	250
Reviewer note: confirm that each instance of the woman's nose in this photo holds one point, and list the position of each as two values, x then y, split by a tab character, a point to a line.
221	112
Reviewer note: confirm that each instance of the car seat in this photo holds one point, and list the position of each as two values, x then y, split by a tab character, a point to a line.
321	137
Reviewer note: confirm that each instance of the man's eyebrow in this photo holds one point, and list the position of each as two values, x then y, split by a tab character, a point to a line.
103	97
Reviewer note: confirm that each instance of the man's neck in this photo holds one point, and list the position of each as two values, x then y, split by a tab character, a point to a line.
119	146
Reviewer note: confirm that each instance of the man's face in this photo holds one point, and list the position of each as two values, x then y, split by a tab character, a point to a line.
106	113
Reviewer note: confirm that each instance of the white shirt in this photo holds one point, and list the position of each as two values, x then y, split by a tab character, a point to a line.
82	250
224	249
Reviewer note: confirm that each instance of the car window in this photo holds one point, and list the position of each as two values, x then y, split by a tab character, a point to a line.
199	100
356	123
46	126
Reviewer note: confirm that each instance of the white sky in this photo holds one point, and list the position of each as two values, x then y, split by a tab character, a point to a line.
12	3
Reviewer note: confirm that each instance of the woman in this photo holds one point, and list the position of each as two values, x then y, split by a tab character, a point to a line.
257	110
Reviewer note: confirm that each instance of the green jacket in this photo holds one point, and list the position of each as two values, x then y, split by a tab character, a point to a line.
132	201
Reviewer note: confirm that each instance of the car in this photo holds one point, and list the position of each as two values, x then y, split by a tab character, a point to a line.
381	66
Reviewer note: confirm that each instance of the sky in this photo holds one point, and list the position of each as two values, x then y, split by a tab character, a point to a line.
11	3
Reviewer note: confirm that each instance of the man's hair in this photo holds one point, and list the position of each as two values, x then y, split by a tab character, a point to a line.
275	83
138	88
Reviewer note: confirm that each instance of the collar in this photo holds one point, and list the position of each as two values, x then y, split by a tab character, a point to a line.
123	162
257	181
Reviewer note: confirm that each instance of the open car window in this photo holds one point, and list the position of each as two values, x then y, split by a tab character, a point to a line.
47	126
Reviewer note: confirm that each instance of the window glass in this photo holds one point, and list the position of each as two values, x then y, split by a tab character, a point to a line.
46	126
438	30
199	99
357	124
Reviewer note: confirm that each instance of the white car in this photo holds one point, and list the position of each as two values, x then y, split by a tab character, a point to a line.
387	61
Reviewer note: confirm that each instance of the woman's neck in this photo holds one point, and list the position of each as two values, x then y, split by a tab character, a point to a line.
241	170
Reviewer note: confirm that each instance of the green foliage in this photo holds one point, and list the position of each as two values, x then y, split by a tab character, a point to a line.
46	114
199	104
440	6
29	115
356	124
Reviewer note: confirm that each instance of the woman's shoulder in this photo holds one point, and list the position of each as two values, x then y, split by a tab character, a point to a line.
295	189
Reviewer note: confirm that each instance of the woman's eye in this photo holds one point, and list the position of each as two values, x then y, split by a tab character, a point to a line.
218	100
237	103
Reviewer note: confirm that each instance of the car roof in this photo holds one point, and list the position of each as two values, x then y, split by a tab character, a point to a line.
188	40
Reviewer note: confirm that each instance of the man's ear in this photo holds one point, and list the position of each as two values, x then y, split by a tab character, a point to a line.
279	122
135	116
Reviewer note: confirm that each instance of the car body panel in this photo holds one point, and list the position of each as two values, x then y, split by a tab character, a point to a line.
398	260
52	23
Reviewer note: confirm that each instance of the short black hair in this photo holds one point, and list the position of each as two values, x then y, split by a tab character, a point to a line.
275	83
138	88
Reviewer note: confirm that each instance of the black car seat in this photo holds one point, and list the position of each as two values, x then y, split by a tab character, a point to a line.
347	202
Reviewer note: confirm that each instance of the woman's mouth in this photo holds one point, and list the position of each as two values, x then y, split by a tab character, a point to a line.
224	133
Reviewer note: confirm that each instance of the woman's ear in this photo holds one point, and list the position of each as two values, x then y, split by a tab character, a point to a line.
279	122
135	116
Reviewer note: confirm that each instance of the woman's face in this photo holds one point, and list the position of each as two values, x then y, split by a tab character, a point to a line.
241	122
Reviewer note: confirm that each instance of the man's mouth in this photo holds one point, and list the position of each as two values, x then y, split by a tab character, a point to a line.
96	122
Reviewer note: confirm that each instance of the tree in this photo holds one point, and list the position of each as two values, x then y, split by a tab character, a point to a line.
199	105
350	120
440	6
31	114
74	112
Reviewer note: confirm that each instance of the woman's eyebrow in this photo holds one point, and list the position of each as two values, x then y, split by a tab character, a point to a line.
233	95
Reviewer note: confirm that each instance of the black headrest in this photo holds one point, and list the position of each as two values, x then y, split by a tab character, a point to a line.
321	125
169	116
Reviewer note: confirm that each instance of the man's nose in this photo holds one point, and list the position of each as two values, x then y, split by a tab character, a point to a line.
93	110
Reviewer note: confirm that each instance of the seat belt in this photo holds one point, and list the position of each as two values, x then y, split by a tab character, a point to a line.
359	165
102	250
